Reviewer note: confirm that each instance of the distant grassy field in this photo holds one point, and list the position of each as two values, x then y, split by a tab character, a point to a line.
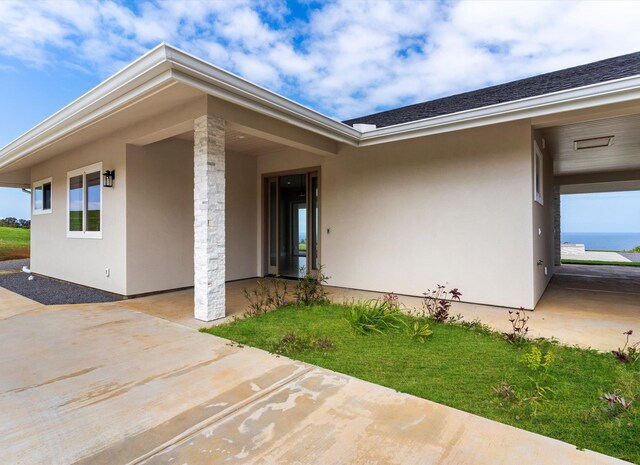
14	243
596	262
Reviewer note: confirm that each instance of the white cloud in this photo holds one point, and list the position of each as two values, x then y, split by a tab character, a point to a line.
346	58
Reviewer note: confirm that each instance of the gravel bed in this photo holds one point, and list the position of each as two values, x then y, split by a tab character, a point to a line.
9	265
633	256
50	291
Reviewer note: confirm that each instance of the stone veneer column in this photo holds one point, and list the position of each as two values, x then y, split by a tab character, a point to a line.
556	225
209	227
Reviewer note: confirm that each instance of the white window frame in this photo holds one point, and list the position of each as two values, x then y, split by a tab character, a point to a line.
538	172
41	183
84	234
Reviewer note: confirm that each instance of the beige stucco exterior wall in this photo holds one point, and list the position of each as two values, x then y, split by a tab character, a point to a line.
159	209
241	216
82	261
543	227
452	208
160	216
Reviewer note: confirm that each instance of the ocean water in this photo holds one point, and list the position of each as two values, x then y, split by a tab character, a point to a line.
603	241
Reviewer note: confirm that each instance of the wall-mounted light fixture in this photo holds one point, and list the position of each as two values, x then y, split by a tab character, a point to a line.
108	177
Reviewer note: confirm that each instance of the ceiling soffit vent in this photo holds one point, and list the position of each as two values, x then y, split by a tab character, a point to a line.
593	143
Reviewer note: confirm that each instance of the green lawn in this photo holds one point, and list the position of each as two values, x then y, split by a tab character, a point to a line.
458	366
14	243
598	262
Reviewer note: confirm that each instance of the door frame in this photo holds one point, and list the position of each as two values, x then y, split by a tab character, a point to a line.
266	268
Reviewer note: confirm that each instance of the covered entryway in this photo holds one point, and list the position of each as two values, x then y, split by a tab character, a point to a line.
291	219
597	155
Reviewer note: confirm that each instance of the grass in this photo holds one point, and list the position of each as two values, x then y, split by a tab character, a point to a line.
598	262
458	366
14	243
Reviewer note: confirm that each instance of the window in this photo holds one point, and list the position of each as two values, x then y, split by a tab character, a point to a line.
84	202
41	196
538	171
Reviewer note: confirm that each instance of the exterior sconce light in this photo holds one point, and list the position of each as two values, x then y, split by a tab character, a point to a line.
108	177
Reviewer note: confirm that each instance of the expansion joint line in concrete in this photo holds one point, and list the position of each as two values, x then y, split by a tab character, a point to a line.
188	433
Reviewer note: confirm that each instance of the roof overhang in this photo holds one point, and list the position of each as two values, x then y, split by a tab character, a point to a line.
165	66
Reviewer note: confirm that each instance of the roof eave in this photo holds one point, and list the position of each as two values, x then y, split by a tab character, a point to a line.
165	65
609	92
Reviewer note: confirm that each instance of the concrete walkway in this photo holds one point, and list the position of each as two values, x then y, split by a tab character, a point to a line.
102	384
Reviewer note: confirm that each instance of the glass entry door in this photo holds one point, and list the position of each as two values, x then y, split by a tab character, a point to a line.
292	215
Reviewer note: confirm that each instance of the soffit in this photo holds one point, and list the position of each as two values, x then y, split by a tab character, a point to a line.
237	141
160	102
623	154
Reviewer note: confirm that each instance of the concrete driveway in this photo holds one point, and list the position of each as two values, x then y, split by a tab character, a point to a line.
102	384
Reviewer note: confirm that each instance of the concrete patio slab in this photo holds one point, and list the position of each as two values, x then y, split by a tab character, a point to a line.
107	385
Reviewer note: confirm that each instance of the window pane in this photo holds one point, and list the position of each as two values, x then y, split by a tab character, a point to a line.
37	198
93	201
46	196
76	203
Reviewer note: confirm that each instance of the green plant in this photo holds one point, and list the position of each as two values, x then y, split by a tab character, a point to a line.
258	298
536	361
392	301
324	344
265	296
628	353
437	303
419	331
294	343
519	327
504	391
309	290
372	316
636	249
616	404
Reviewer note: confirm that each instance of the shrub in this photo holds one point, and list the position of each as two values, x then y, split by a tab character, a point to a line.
504	391
372	316
419	331
519	327
392	301
265	296
616	404
292	343
309	290
628	353
636	249
536	361
437	303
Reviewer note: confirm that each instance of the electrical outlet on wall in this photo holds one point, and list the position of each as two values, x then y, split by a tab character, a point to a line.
107	272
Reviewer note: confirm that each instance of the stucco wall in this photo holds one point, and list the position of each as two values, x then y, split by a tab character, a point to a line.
241	219
82	260
543	224
160	216
452	208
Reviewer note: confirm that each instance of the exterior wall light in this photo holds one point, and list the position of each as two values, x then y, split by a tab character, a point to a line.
108	177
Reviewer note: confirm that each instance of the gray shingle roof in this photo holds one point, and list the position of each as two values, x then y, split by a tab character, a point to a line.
578	76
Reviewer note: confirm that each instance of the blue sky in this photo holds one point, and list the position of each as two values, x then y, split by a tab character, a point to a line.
343	58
